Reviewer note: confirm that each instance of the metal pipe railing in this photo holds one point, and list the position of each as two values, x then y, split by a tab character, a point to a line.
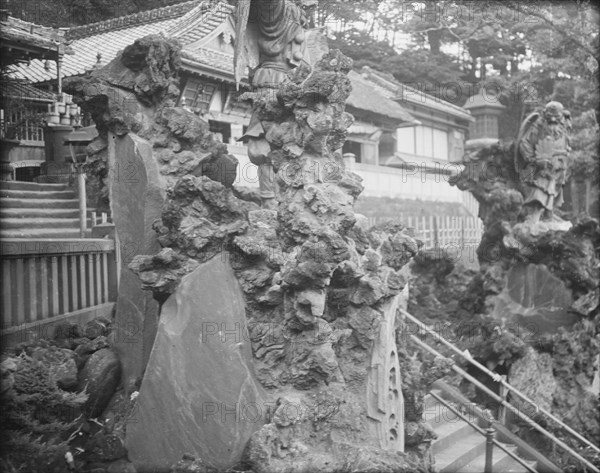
501	381
483	432
497	398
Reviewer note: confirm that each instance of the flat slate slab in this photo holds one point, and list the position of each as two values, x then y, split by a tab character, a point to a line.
199	395
535	299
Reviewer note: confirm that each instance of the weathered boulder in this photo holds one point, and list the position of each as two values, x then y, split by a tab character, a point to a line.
199	395
532	375
99	327
7	378
88	347
316	287
537	288
145	145
99	378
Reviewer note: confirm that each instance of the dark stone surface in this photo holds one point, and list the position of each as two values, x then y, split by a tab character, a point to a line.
99	377
88	347
136	201
194	374
535	299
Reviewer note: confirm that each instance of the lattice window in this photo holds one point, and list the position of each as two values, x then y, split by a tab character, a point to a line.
198	94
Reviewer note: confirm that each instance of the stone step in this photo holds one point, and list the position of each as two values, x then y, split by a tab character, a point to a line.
25	223
42	213
429	401
40	203
39	213
460	453
437	414
40	233
32	186
450	433
30	194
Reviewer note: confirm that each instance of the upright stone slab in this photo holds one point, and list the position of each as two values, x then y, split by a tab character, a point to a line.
199	395
535	299
137	194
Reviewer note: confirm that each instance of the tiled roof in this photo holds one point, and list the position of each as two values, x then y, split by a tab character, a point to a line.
211	59
404	93
110	37
22	90
136	19
367	96
14	29
188	22
200	21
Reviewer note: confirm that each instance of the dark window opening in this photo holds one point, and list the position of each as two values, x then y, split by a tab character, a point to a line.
27	173
387	146
354	148
221	128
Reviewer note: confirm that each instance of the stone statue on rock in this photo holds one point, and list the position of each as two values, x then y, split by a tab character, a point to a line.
541	161
272	42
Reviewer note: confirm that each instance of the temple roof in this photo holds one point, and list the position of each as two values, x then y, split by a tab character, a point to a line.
403	93
22	40
365	96
188	22
204	29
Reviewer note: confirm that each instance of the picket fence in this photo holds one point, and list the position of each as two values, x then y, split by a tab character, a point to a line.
441	232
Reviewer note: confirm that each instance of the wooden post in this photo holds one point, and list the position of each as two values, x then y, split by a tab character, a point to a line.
435	232
502	408
59	72
489	448
82	201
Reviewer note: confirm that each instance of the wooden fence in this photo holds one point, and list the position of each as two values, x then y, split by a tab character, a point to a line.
441	232
23	125
45	282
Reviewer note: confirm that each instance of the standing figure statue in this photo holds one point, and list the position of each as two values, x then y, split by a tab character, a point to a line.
541	160
271	40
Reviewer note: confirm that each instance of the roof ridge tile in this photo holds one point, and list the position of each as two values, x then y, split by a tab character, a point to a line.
135	19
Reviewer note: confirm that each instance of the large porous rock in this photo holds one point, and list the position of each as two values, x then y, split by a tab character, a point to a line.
533	376
320	291
489	175
201	217
145	144
199	395
99	378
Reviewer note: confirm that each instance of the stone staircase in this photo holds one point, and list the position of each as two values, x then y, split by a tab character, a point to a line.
32	210
459	448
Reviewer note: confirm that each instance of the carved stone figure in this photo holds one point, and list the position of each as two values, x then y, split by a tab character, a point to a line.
542	160
272	42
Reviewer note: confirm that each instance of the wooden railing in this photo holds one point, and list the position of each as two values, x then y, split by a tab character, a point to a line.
440	232
48	281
